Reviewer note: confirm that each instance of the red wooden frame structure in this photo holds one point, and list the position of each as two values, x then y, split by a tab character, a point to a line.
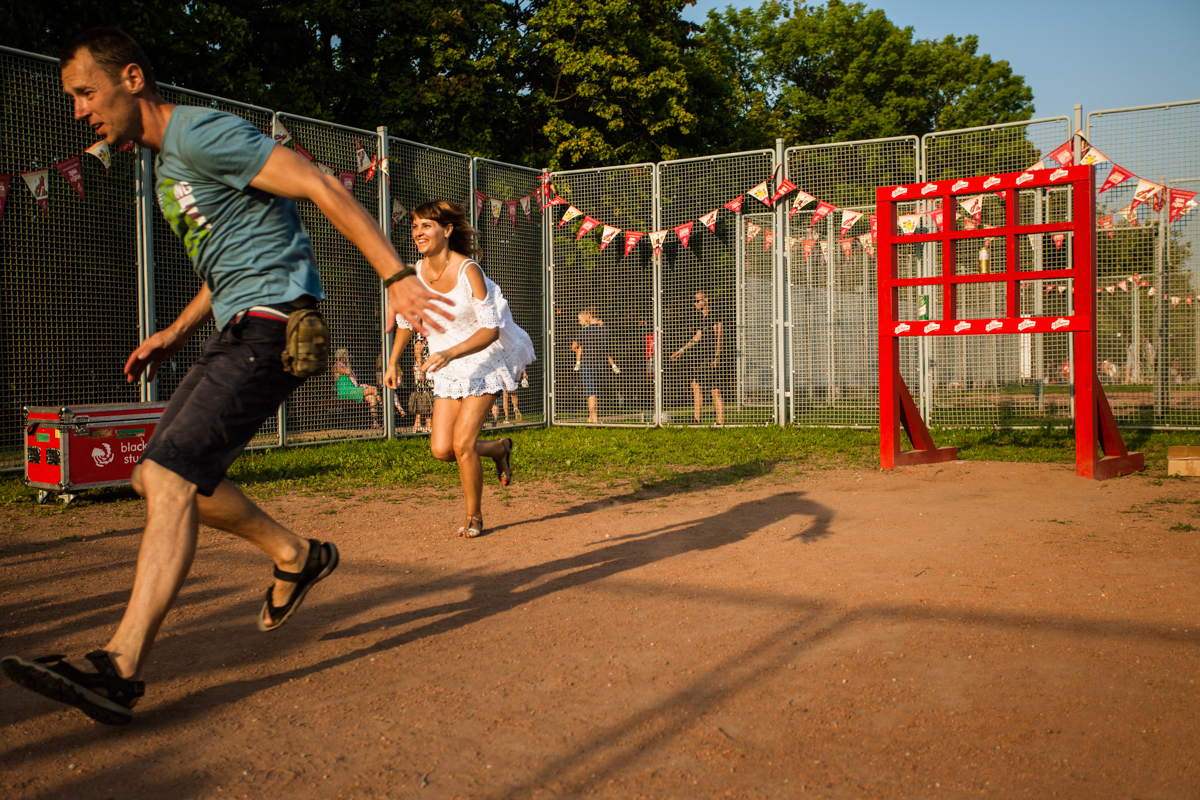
1094	422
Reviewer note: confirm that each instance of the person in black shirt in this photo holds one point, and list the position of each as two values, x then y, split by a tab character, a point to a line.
591	351
707	344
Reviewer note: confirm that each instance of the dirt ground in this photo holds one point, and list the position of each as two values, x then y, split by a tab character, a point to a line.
1005	630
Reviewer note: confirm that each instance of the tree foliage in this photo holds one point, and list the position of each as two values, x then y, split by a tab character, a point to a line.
560	83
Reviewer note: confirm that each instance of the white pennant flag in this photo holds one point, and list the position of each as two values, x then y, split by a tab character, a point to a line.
279	133
972	205
39	184
803	198
710	220
1093	156
1145	190
571	213
751	231
497	205
607	235
525	202
100	150
848	220
656	241
908	222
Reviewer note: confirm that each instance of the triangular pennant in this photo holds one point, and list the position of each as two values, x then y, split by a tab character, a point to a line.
1064	154
364	161
1037	165
847	245
39	185
526	203
800	201
710	220
785	186
656	241
1181	203
1106	225
497	205
571	213
1123	286
848	219
762	193
72	170
1058	239
398	212
1129	212
936	216
372	168
557	201
1145	190
735	205
631	239
100	150
684	232
1110	289
303	152
607	235
808	245
972	205
512	211
969	223
1116	175
5	181
480	199
279	133
867	244
326	169
586	227
768	240
874	229
751	231
347	181
821	211
1062	289
825	250
1092	156
908	222
1151	292
1175	301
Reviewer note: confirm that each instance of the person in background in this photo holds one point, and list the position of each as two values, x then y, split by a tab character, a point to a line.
348	388
591	348
706	361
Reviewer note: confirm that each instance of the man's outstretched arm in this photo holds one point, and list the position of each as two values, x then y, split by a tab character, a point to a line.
290	175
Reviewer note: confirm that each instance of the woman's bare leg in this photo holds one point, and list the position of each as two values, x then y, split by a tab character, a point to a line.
464	439
697	399
719	402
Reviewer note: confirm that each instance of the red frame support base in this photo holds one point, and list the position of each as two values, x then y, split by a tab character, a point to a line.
925	452
1117	460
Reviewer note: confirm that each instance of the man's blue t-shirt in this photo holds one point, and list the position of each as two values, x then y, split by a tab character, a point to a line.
594	341
248	246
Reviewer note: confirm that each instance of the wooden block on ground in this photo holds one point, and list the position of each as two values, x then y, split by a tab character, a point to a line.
1183	461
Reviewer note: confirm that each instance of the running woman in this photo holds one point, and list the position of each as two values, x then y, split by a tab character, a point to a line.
230	193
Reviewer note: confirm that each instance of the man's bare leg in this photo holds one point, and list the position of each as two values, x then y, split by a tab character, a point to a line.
719	402
697	399
593	409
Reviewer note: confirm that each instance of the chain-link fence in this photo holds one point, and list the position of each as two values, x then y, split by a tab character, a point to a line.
603	300
1147	268
623	337
717	293
832	281
69	279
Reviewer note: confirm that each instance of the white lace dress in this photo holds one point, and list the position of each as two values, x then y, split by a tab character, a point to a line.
498	367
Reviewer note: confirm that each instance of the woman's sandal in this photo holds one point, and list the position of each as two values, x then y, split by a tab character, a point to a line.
308	577
53	677
504	473
472	529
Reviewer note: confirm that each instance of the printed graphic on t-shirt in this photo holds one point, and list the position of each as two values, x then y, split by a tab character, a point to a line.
178	205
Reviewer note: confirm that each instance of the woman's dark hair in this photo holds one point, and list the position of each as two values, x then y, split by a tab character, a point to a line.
464	239
113	50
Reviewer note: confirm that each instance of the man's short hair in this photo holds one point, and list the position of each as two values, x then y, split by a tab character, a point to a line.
113	50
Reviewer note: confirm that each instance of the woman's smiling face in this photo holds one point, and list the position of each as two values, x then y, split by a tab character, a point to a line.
429	236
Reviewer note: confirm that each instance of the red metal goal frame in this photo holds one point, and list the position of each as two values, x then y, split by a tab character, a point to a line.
1094	422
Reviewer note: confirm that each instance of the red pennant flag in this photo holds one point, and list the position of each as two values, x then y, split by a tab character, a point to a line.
571	213
785	186
1116	175
72	170
936	216
1064	154
846	244
1059	238
768	240
874	229
512	211
1106	225
480	197
1181	203
39	185
656	241
808	245
372	168
969	223
802	199
303	152
631	239
589	223
710	220
734	205
607	235
5	180
823	209
1123	286
761	193
558	201
347	181
848	220
684	232
127	147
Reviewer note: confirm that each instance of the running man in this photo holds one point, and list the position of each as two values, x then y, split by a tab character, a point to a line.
230	193
706	364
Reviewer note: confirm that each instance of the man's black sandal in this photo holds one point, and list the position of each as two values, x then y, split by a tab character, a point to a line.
53	677
312	573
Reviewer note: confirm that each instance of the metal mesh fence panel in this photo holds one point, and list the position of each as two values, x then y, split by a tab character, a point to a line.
345	402
727	375
996	380
602	299
419	174
512	257
832	281
1148	328
175	281
68	274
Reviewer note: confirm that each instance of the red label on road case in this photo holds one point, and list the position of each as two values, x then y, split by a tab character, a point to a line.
975	327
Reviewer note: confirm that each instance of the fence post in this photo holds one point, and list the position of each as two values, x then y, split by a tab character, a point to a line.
385	222
781	382
656	295
144	221
548	383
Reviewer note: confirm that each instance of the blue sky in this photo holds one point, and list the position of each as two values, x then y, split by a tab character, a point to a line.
1102	54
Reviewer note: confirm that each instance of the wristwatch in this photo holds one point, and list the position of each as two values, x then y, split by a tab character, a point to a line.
399	276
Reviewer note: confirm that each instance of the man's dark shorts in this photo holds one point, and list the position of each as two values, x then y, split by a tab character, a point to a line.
236	385
705	375
589	379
